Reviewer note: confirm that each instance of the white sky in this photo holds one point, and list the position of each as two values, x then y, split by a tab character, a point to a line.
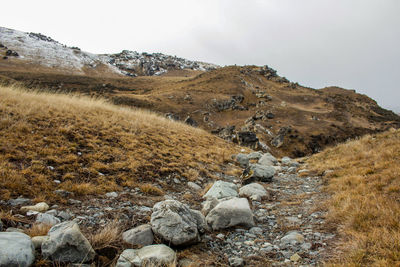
350	43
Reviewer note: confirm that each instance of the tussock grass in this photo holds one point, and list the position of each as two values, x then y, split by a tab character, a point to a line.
365	203
94	147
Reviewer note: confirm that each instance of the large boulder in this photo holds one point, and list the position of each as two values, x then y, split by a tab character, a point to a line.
257	172
253	191
221	189
155	255
66	243
267	160
176	223
231	212
141	235
16	250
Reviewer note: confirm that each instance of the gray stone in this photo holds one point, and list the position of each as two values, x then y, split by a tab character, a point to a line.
52	212
221	189
19	201
209	204
236	262
256	231
231	212
16	250
243	160
63	193
155	255
286	161
194	186
268	160
257	172
66	243
255	155
177	223
47	219
64	215
292	238
112	194
141	235
38	241
253	191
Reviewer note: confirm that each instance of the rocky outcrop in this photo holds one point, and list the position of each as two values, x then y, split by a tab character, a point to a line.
155	255
66	243
39	207
16	250
176	223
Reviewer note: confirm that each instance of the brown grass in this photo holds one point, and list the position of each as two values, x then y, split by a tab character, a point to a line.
94	147
151	190
106	237
39	229
365	203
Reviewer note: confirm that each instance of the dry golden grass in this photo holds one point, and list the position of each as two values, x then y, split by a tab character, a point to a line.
39	229
151	190
108	236
365	202
94	147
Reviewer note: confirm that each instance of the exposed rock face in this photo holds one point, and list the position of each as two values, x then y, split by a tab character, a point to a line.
155	255
176	223
221	189
141	235
253	191
66	243
243	160
16	250
228	213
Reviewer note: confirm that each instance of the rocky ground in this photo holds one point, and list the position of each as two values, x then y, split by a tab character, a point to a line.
269	216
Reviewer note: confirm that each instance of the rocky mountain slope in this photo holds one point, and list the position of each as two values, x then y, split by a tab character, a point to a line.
83	181
34	50
249	105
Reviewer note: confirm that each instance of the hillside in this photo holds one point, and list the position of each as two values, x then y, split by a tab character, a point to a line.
91	147
364	184
249	105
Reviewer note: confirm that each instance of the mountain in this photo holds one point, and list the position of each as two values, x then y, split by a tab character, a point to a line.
249	105
34	50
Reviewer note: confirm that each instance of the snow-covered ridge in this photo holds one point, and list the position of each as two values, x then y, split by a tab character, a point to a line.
39	49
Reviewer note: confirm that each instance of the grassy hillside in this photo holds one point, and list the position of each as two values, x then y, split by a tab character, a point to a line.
307	119
92	147
365	203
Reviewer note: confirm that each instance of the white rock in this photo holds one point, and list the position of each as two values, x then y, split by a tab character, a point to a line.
254	191
267	160
47	219
16	249
292	238
141	235
66	243
194	186
39	207
228	213
221	189
155	255
112	194
176	223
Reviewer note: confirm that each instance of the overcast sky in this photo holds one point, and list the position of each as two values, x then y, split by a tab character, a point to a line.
350	43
